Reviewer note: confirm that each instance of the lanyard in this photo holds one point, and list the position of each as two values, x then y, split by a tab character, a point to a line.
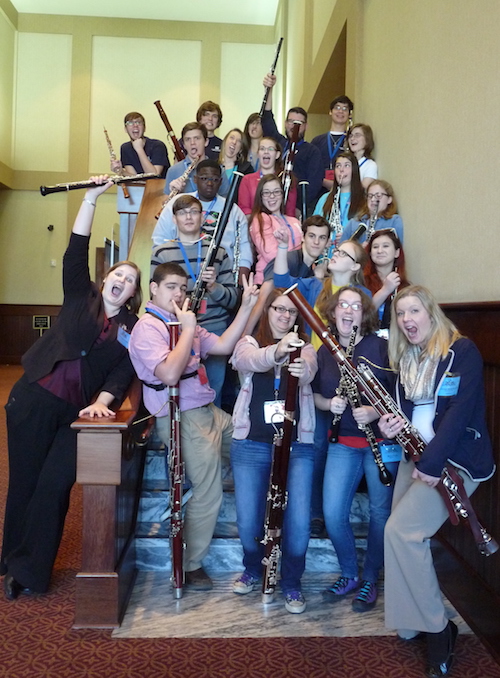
287	147
362	163
289	228
333	150
188	263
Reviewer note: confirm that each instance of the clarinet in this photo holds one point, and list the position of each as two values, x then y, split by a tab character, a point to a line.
178	151
75	185
342	387
112	156
272	69
277	495
409	438
372	222
287	172
176	474
334	218
200	285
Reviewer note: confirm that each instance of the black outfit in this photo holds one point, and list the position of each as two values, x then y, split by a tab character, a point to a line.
42	446
155	150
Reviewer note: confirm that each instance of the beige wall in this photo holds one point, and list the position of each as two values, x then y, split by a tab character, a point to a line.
422	73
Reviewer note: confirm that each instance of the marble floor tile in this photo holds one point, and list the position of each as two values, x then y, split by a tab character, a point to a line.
153	613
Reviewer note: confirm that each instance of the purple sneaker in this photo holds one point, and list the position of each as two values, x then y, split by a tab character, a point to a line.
366	598
244	584
340	589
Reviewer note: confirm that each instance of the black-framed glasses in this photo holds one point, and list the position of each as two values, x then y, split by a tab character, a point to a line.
376	196
342	254
292	312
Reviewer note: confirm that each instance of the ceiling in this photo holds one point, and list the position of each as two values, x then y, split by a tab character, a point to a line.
258	12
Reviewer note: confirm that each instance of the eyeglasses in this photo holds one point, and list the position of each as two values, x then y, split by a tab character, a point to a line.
357	306
356	135
376	196
267	148
184	213
272	194
340	107
131	123
291	122
342	254
292	312
207	180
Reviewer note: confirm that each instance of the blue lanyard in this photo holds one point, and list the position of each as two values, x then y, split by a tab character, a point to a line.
289	228
333	150
362	163
287	147
344	209
188	263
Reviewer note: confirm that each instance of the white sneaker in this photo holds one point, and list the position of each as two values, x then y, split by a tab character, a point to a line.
295	602
244	584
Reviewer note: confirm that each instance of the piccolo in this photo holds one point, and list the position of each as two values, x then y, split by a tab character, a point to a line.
277	494
272	69
116	179
112	157
178	150
455	498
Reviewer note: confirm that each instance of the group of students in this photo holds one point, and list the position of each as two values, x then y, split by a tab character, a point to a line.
358	286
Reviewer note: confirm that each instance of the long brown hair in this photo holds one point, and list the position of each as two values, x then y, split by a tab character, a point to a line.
258	205
357	191
262	333
372	280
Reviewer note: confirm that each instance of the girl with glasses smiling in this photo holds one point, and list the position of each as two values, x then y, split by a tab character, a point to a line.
263	366
267	216
380	209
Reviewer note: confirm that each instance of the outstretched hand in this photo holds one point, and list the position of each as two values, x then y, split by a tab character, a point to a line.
250	292
103	183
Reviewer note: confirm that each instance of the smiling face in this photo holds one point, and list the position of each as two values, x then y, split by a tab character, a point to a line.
340	114
383	251
172	287
282	316
194	143
272	196
118	287
316	239
357	140
135	128
346	317
414	321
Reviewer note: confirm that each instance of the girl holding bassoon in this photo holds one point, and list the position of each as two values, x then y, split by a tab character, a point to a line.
263	365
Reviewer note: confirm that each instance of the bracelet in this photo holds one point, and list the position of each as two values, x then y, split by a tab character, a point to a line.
89	202
280	247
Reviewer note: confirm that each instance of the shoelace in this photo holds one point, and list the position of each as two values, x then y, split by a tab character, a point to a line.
364	591
340	584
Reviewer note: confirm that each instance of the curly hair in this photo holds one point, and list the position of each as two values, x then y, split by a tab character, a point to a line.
369	322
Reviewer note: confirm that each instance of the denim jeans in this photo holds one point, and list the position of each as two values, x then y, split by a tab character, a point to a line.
344	469
251	462
323	421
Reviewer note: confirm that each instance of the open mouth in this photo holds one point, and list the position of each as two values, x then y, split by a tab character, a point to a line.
116	290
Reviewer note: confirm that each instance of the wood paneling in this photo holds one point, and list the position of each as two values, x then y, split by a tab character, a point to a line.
17	329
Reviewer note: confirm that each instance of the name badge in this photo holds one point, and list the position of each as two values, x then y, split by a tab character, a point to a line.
274	411
449	386
391	453
123	337
330	174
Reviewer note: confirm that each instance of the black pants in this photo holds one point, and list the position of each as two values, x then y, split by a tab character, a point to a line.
42	471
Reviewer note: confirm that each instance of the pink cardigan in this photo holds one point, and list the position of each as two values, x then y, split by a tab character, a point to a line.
267	246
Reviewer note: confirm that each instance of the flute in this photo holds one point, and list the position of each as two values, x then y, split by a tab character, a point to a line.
277	494
116	179
176	474
112	157
178	150
456	501
272	69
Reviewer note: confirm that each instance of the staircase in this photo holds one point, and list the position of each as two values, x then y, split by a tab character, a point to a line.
226	553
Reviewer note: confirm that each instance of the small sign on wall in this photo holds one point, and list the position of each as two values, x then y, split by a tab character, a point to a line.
41	323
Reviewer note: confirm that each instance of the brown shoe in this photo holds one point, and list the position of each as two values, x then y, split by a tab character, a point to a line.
198	580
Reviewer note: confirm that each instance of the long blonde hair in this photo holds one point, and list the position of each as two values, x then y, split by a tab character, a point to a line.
443	333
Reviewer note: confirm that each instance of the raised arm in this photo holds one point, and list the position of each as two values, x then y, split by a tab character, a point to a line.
85	216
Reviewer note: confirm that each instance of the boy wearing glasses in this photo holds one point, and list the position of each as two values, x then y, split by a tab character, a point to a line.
205	429
141	154
307	164
334	141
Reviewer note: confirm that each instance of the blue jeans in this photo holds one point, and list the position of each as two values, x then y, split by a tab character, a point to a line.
251	462
344	469
323	421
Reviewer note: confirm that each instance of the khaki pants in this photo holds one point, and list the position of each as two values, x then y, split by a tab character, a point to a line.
413	598
206	432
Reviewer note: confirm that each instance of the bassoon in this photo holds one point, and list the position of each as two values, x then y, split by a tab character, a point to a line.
178	150
200	285
271	70
112	156
75	185
277	494
303	188
450	484
176	474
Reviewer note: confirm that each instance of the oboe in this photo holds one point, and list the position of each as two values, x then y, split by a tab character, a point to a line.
277	494
271	70
75	185
178	151
383	403
200	285
287	172
112	156
175	191
176	473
